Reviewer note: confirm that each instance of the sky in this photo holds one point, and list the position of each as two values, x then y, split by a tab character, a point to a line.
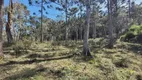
52	13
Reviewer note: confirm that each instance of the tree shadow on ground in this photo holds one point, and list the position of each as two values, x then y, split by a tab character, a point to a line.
6	44
21	53
36	60
6	68
135	48
25	73
33	56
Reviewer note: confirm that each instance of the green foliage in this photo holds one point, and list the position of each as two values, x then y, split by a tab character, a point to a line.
136	29
21	47
27	44
18	47
139	38
108	64
129	36
133	34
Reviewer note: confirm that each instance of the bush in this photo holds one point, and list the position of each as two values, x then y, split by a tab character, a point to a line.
21	47
27	44
129	37
134	34
136	29
139	38
18	47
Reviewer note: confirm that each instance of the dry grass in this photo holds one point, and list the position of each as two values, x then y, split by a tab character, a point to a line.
51	61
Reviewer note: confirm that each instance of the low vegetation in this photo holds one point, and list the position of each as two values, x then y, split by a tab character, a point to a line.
134	34
59	61
70	40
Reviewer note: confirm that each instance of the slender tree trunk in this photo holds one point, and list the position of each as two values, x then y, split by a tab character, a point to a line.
111	39
129	12
81	31
94	26
66	12
9	23
41	31
20	30
76	34
94	31
8	32
1	27
86	50
105	33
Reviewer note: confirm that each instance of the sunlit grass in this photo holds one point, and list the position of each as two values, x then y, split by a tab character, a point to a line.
120	63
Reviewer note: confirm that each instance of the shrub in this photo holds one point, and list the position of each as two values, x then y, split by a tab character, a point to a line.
27	44
135	29
18	47
134	34
139	38
21	47
129	36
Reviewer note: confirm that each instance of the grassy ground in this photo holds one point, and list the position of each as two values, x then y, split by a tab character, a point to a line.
62	61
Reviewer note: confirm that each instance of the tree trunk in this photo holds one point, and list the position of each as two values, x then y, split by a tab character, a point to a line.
66	12
8	32
1	27
41	31
94	31
129	12
86	50
111	39
81	31
9	23
94	25
77	34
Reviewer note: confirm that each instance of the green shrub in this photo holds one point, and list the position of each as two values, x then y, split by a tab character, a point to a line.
139	38
136	29
134	34
27	44
18	47
129	36
21	47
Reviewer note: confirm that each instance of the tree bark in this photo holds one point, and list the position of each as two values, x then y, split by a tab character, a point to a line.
8	32
77	34
66	12
86	50
9	23
1	27
81	31
129	12
94	25
94	31
41	31
111	39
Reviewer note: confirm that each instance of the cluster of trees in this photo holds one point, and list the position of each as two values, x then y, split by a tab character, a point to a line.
83	19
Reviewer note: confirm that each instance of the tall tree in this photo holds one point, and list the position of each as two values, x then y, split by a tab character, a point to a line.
42	4
63	6
112	15
1	26
88	4
66	12
86	50
41	39
129	3
9	23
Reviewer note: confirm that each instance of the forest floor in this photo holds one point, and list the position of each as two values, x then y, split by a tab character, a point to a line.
62	61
